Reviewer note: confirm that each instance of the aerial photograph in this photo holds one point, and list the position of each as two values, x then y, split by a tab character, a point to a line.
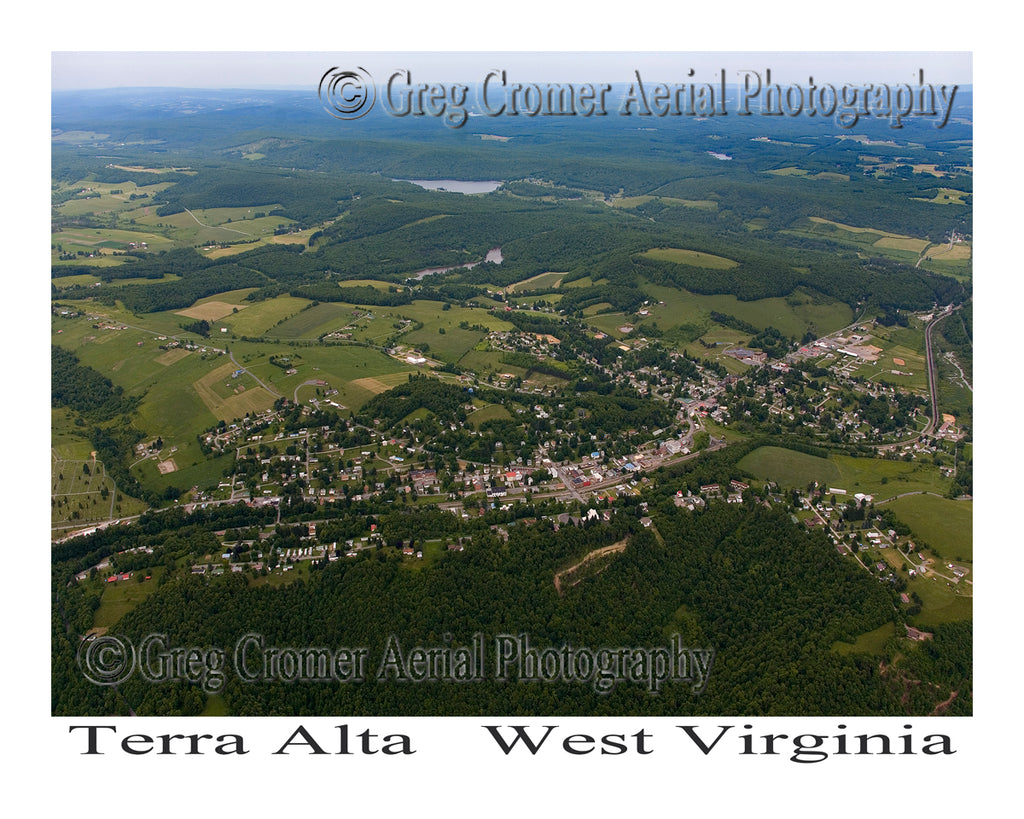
463	384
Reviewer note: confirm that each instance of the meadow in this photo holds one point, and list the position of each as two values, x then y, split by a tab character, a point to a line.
878	477
945	525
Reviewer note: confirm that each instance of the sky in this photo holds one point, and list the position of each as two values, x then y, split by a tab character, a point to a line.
79	70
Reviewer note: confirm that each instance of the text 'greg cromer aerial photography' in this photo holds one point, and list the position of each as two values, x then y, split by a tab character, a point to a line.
532	384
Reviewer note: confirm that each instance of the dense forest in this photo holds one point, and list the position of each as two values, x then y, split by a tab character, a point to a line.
768	597
551	213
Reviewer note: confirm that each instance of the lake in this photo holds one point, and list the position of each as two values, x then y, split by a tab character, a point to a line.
454	185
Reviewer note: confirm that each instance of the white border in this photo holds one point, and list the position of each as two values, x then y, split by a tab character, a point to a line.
461	777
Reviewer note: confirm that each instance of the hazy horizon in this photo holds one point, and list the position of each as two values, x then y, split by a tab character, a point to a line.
211	70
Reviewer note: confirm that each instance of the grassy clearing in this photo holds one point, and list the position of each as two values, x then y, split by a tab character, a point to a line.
851	229
67	441
940	603
120	597
947	196
488	413
886	479
906	249
541	281
959	252
315	320
209	311
791	315
870	642
98	240
694	258
902	243
637	201
260	318
789	468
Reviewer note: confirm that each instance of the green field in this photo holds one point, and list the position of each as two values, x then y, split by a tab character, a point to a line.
170	383
261	318
940	603
541	281
789	468
121	596
871	476
694	258
791	315
488	413
636	201
106	240
313	321
948	196
945	525
870	642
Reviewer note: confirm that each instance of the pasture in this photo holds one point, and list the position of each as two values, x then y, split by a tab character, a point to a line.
940	602
229	397
678	308
881	478
489	413
106	240
945	525
255	319
789	468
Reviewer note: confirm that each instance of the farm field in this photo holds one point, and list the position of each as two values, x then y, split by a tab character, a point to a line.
948	196
790	468
945	525
907	249
881	478
105	240
186	392
256	319
791	316
66	440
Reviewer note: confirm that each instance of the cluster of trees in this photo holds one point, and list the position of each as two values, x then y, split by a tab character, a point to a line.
82	389
445	401
358	294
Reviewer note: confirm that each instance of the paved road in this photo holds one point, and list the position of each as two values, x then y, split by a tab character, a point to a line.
254	378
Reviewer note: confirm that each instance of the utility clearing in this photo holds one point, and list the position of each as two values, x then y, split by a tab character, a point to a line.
575	573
